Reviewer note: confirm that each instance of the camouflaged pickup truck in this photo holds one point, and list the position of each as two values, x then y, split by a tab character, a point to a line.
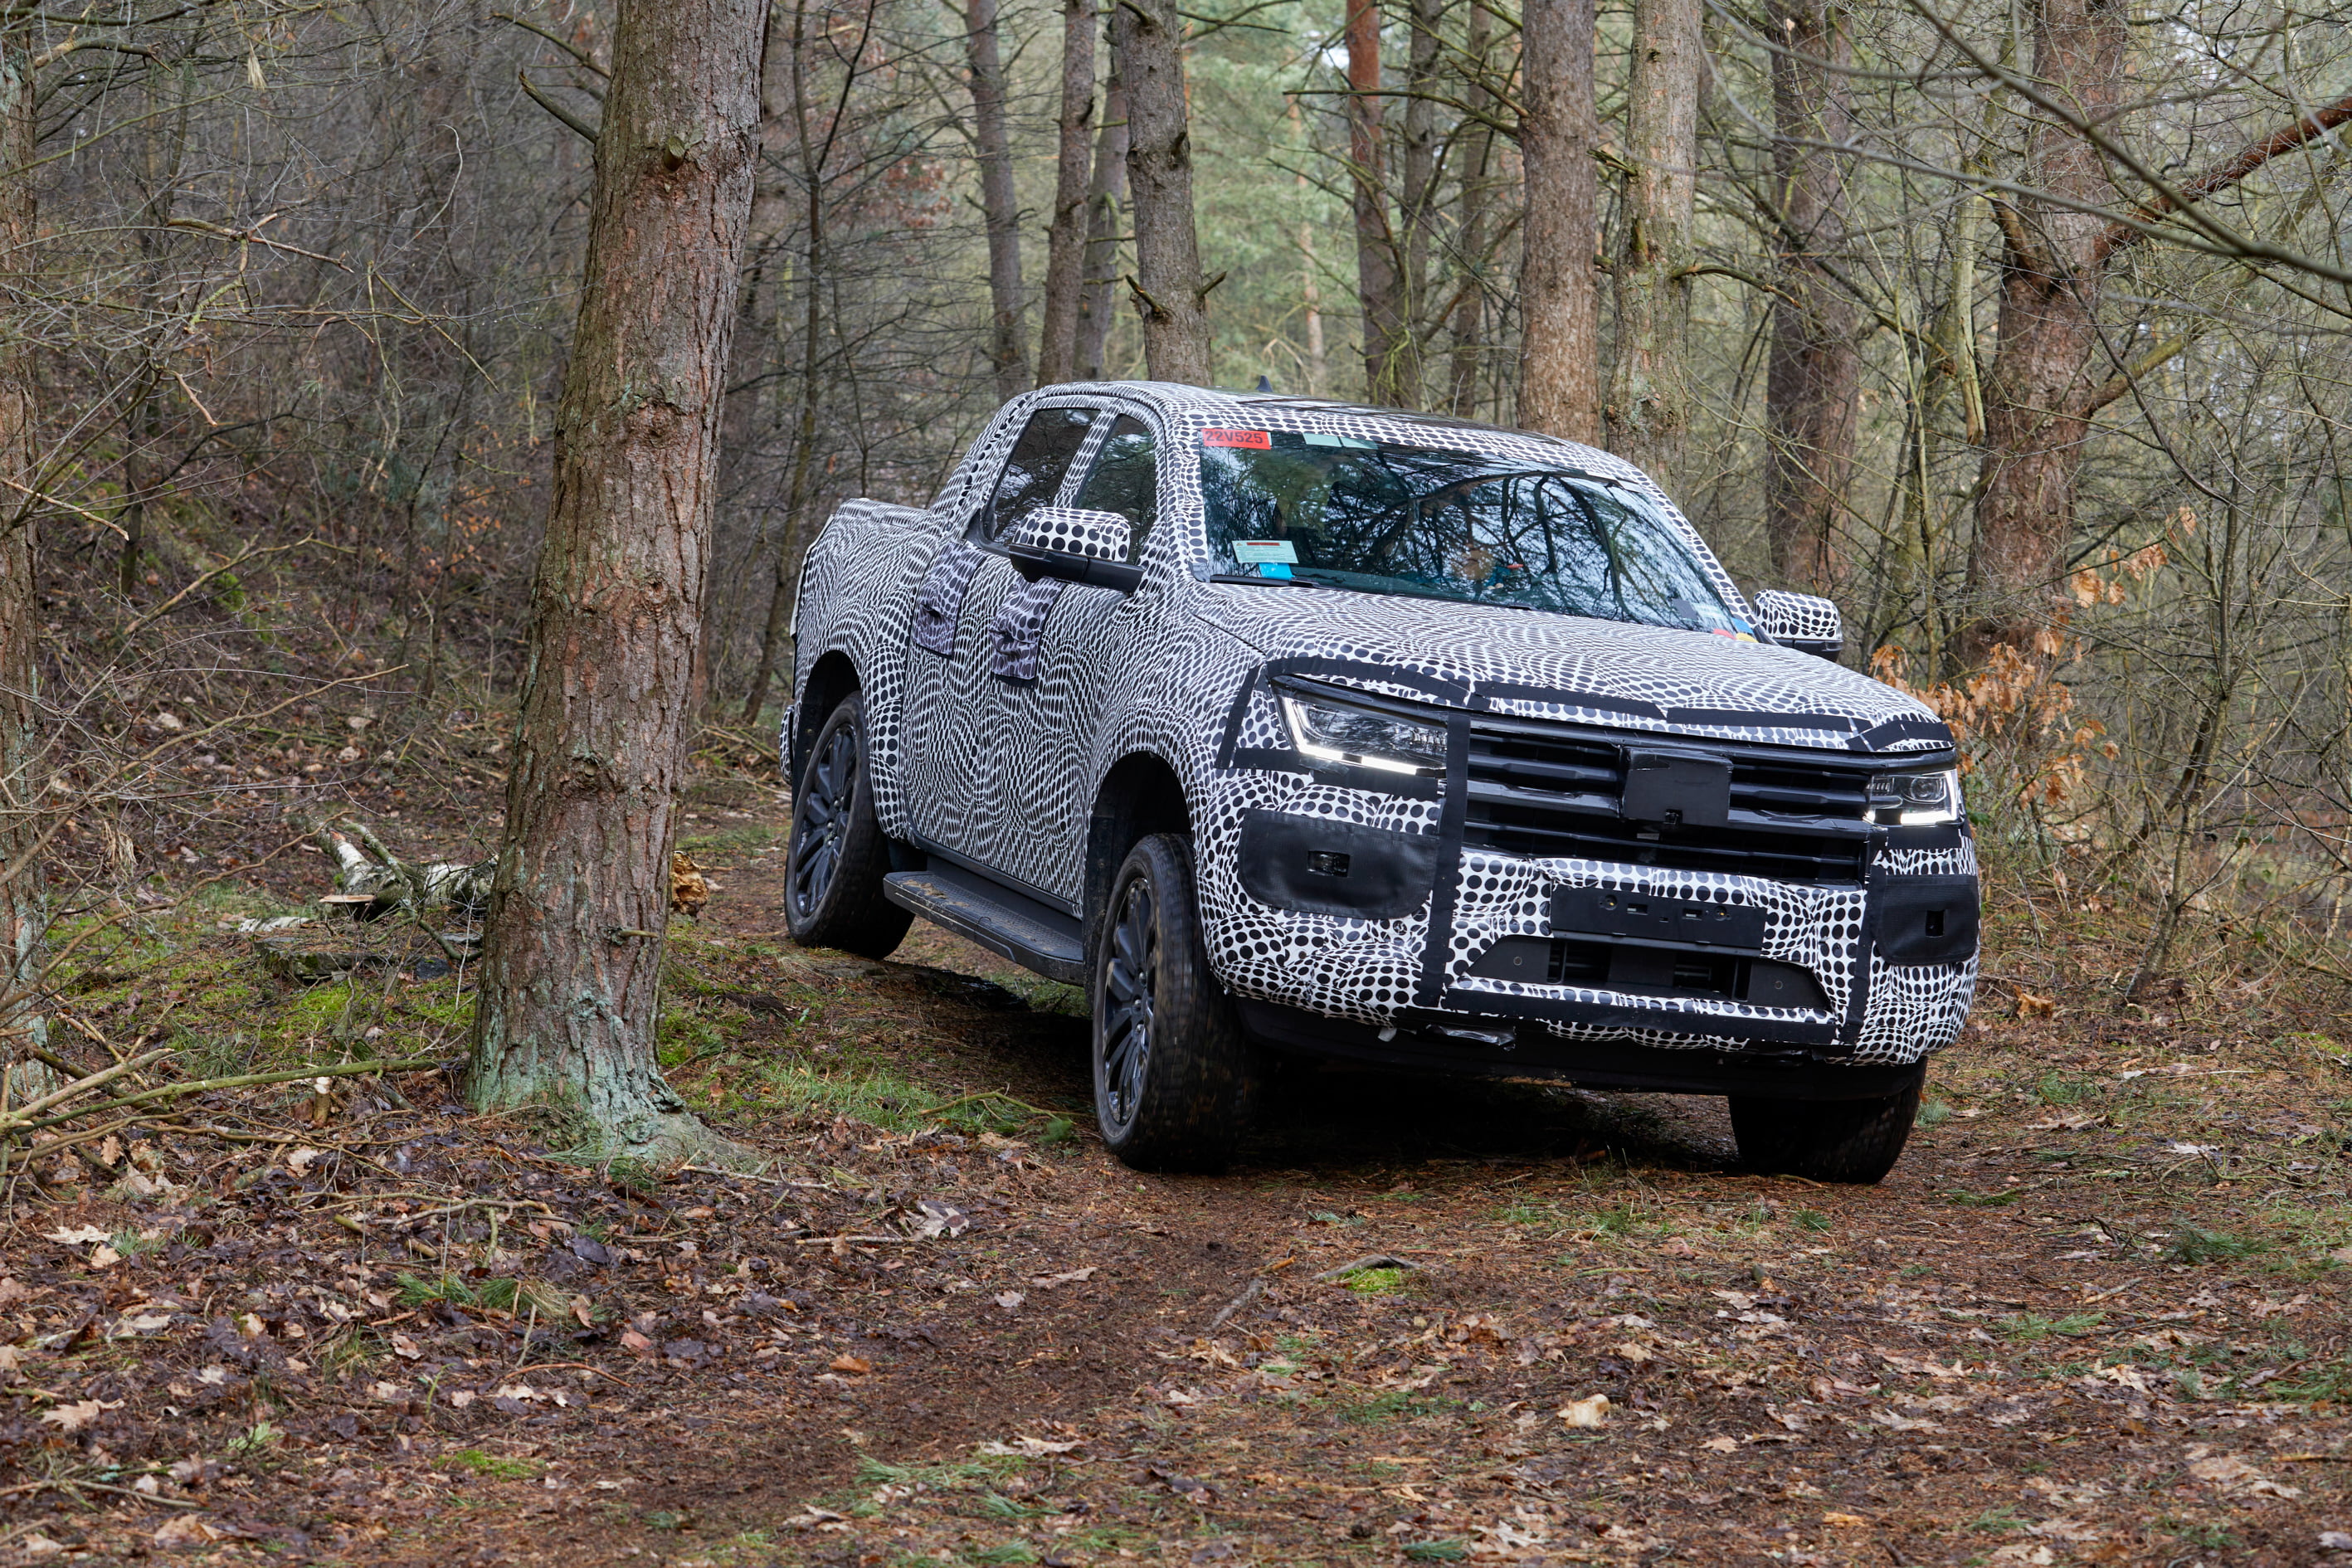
1293	729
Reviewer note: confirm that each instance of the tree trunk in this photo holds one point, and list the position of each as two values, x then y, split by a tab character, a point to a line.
1420	170
570	970
1470	307
1560	333
1169	294
1379	273
1815	371
23	909
815	269
1000	204
1649	381
1095	305
2052	267
1057	351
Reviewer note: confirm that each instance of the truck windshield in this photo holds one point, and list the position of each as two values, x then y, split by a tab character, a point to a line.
1378	517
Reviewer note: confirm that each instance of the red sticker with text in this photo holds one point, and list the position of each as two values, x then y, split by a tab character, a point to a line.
1257	440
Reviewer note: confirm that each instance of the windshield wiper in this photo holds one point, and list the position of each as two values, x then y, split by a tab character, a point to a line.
1253	577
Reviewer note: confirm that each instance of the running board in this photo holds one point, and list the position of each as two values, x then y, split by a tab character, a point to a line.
1033	935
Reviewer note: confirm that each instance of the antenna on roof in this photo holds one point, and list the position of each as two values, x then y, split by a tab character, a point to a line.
1263	385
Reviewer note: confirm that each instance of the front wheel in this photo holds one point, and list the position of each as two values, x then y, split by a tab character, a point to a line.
1855	1141
838	854
1171	1067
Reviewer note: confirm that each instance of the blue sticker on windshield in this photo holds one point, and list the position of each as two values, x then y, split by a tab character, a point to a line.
1274	569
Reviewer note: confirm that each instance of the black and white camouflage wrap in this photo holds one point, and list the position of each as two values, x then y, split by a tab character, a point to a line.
995	709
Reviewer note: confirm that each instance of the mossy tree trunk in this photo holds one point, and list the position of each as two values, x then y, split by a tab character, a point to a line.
572	964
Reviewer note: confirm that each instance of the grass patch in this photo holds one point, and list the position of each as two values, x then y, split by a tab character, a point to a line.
1935	1113
1375	1281
2065	1088
2192	1244
1809	1219
495	1466
1979	1200
2028	1327
1436	1550
494	1295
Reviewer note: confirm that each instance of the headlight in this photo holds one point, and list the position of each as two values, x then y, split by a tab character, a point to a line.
1360	738
1916	800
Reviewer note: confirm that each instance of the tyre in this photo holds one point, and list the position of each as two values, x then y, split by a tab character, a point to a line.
1171	1067
1825	1140
838	854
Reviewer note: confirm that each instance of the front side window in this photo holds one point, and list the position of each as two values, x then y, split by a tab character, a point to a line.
1125	478
1034	472
1378	517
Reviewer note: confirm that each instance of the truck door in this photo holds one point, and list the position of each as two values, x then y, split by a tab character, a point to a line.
1086	645
962	721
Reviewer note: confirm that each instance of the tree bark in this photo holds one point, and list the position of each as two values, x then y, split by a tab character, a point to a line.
1379	272
1000	204
2052	268
1419	167
23	909
1103	193
1560	333
1171	296
1470	307
1057	350
570	984
1815	371
814	275
1649	381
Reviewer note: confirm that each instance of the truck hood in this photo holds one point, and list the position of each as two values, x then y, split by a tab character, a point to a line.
1548	666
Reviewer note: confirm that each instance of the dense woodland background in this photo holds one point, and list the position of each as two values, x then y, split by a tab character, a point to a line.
2021	331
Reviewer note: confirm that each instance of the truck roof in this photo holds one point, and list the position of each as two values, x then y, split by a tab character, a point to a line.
1176	396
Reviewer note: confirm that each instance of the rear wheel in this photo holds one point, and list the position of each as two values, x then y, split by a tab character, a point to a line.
1825	1140
1171	1067
838	854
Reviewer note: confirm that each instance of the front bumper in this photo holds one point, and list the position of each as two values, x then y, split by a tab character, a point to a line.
1836	962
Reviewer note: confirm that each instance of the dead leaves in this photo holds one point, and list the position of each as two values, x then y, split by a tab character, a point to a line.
1589	1413
2234	1475
72	1418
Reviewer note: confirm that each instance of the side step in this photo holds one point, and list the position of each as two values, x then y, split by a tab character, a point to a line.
1033	935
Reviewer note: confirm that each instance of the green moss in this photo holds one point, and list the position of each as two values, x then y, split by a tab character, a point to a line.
493	1465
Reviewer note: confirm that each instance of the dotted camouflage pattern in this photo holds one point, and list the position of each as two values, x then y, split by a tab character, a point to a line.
995	709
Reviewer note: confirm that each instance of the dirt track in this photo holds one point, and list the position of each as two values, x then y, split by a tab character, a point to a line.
2092	1317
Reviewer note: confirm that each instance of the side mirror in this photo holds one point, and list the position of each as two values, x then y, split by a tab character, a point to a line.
1801	621
1076	544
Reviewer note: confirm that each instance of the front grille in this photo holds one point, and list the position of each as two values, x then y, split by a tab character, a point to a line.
1539	792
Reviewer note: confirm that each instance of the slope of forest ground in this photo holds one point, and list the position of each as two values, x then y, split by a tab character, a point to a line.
2099	1314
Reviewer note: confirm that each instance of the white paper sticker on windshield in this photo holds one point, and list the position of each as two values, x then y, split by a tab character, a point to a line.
1254	550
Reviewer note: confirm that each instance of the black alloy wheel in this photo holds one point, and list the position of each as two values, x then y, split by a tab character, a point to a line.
1171	1067
838	854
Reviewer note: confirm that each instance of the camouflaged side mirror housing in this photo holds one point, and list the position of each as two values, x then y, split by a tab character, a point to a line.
1076	544
1801	621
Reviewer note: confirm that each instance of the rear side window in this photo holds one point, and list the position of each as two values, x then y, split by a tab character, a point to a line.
1033	473
1125	478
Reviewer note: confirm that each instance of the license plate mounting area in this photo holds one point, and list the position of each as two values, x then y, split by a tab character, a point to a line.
1653	920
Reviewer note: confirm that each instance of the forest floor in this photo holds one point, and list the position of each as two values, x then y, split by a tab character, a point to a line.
2100	1312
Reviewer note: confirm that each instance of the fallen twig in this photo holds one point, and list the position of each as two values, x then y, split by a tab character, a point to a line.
242	1080
1257	1287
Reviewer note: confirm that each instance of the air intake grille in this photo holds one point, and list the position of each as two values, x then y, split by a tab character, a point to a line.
1538	792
